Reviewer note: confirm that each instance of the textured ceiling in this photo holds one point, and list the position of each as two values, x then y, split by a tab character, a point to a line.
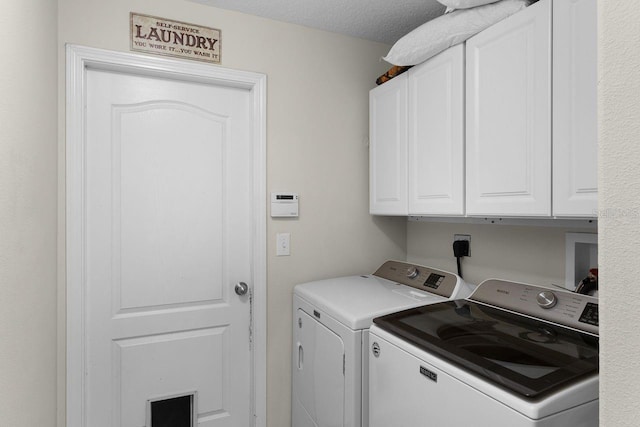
378	20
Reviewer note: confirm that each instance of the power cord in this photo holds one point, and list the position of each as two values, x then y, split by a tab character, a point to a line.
460	249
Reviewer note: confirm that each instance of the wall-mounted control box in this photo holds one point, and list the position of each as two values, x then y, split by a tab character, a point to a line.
284	205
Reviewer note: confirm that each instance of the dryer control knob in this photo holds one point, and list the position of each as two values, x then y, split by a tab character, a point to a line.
546	299
412	272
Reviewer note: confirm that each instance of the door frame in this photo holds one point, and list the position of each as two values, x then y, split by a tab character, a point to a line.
78	60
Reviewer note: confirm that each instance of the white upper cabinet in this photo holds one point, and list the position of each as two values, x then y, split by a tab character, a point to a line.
503	125
508	123
436	135
416	151
388	148
575	147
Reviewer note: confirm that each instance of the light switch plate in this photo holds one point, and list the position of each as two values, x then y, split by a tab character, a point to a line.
283	242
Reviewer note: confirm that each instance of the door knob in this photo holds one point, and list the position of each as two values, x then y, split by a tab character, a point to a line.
241	288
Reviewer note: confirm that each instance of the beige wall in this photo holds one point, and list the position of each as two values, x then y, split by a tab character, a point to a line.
28	213
619	175
317	128
519	253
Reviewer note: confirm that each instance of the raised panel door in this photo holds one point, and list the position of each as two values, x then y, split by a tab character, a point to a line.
508	106
388	148
167	220
575	121
436	135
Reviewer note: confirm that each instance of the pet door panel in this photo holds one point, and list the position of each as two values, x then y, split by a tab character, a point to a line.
174	411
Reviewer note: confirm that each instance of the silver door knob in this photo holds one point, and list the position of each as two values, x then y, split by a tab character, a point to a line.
241	288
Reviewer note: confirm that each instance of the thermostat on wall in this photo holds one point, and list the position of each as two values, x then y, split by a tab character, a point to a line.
284	205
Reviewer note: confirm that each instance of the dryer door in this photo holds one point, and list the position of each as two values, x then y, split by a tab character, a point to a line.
318	374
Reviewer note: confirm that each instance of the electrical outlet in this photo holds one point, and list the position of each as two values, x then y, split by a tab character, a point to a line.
466	237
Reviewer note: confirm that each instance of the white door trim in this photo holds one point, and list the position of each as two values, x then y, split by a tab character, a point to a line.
79	59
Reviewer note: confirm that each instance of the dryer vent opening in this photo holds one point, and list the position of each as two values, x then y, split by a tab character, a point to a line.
174	411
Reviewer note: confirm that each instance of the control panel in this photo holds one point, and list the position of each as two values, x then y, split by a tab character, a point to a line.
284	205
554	305
420	277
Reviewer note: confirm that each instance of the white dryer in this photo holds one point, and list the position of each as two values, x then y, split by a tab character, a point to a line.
510	355
331	320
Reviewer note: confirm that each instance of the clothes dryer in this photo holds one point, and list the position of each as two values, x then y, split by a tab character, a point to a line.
331	320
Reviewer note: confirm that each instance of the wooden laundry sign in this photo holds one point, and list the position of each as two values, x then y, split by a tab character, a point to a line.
174	38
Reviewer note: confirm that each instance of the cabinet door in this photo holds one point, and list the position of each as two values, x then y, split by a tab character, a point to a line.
508	133
575	139
388	148
436	135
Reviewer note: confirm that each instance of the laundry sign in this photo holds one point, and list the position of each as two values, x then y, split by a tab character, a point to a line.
174	38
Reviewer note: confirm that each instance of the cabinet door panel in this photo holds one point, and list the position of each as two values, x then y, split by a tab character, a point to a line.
508	138
575	145
388	148
436	135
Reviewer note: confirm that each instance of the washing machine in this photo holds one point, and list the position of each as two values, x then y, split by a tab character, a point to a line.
331	320
510	355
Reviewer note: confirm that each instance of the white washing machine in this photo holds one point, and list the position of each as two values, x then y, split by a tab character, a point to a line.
331	319
511	355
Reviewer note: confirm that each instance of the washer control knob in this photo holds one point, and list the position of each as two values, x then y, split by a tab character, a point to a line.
547	299
412	272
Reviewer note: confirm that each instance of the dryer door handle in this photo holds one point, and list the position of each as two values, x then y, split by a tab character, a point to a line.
300	356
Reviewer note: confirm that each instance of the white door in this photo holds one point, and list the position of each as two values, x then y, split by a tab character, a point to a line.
575	109
318	374
168	226
508	131
388	148
436	135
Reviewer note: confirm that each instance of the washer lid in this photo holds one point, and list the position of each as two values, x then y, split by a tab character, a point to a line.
527	356
356	300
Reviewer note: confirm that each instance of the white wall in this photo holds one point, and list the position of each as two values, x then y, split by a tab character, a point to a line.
520	253
28	213
317	128
619	181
